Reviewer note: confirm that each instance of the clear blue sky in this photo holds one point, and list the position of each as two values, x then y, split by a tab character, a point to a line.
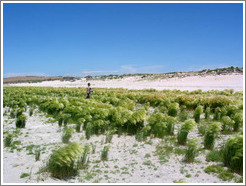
97	39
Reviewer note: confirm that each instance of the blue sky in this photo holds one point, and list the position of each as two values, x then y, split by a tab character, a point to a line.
99	39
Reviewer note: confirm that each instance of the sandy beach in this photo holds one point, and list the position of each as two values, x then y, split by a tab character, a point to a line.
205	83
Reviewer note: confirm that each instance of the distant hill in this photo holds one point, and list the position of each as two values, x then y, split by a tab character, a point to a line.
34	79
205	72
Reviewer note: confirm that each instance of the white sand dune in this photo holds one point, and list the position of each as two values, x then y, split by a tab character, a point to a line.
205	83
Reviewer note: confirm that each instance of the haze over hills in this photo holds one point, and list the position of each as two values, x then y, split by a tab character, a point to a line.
33	79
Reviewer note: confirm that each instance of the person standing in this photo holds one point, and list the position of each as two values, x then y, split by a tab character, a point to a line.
88	91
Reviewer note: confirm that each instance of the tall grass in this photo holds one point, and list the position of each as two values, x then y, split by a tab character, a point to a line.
37	154
170	125
198	111
191	151
173	109
207	112
238	121
64	162
227	123
67	134
19	112
104	153
233	153
31	111
8	140
212	131
88	131
186	127
183	115
21	121
109	136
84	160
78	124
217	113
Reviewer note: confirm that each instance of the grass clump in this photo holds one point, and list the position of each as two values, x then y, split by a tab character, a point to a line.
64	162
187	126
212	131
21	121
67	134
207	112
31	111
214	169
198	111
8	140
215	156
217	114
183	115
227	123
19	112
104	153
109	136
233	153
202	128
79	124
238	121
180	181
223	174
88	131
157	124
191	151
173	109
37	154
84	161
170	125
24	175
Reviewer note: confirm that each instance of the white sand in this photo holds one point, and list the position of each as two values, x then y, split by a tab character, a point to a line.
125	164
211	82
